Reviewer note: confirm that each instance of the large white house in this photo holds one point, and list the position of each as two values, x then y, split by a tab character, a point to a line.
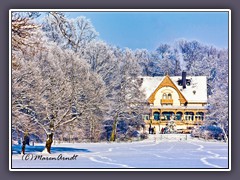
179	98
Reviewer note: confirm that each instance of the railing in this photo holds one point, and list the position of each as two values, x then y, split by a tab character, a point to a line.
177	122
193	122
166	101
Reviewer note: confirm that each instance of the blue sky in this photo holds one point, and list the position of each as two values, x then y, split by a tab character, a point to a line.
146	30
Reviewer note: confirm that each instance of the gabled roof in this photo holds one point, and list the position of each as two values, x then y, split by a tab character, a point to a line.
198	84
166	81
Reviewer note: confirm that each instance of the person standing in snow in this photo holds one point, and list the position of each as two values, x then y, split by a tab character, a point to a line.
150	129
154	130
162	130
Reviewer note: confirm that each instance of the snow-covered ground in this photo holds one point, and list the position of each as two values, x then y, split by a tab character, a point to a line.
150	153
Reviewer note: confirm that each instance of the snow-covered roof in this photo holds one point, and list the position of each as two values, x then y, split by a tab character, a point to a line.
198	84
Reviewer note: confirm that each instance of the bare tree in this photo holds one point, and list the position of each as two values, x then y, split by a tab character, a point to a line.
23	29
59	89
24	37
74	34
144	59
52	88
219	98
102	60
126	100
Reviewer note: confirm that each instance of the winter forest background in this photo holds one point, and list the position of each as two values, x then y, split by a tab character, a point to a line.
70	85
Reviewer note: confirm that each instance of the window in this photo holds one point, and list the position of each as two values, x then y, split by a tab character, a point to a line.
169	96
168	115
189	116
178	116
199	116
164	96
146	117
166	99
156	115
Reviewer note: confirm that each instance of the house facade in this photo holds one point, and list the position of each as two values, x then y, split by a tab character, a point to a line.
182	99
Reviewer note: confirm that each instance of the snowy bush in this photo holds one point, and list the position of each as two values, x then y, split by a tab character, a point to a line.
144	135
208	132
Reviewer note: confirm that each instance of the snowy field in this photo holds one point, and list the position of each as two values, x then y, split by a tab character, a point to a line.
191	153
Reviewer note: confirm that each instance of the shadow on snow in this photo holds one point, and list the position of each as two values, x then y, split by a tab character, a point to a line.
16	149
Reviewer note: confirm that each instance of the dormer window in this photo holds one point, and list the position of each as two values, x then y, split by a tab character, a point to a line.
164	96
169	96
166	99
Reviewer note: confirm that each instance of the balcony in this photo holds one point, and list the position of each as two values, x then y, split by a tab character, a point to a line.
166	101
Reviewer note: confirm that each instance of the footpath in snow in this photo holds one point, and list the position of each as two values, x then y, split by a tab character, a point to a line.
155	152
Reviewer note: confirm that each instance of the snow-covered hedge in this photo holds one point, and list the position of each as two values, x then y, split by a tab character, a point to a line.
208	132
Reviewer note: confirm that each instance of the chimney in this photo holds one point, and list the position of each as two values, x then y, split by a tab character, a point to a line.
184	75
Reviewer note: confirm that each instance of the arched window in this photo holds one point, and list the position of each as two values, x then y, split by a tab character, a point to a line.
168	115
199	116
179	115
169	96
189	116
156	115
164	96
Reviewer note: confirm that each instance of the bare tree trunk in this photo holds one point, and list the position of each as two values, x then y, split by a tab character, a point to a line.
113	135
49	142
62	138
114	130
23	147
24	142
225	135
